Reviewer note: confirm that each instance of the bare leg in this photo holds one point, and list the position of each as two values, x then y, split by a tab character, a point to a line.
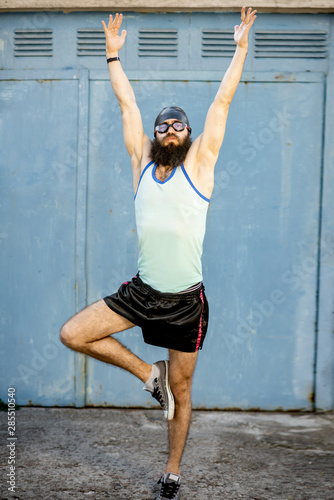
181	369
89	332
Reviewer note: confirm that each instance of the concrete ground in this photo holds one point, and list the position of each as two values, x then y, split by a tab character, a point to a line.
120	454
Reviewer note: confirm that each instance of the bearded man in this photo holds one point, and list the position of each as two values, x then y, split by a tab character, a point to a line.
173	180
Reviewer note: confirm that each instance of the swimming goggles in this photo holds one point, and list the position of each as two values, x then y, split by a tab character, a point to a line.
177	126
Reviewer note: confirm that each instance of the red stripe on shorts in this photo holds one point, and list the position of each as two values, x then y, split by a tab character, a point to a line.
200	324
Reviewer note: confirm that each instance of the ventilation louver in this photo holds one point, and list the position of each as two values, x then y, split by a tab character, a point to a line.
295	44
158	43
33	42
217	43
91	42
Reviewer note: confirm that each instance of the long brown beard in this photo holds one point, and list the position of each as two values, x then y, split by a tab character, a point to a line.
171	155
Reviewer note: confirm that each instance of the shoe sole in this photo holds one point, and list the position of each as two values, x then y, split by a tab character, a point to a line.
168	414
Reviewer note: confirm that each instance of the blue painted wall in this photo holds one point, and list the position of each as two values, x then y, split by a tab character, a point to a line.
68	236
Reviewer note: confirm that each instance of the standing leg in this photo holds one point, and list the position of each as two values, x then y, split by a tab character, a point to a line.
181	369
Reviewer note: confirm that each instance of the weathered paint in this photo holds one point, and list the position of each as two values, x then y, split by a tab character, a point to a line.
67	231
315	6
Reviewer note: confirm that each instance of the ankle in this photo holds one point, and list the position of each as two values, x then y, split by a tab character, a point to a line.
150	375
173	470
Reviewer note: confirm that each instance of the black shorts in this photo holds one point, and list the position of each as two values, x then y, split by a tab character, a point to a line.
173	320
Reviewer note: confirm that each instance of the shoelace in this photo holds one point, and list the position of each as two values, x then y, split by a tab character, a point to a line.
168	490
157	394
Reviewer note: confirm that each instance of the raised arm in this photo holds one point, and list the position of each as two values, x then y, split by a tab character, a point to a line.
134	137
210	141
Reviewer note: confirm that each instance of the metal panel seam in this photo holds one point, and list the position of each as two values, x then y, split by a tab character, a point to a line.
215	76
317	295
325	368
81	226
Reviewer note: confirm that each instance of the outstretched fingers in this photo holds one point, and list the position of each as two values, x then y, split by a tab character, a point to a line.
105	28
114	40
248	15
251	16
243	13
252	19
114	23
118	20
248	18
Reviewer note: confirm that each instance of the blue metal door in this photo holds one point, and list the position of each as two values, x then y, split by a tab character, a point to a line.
262	224
68	233
39	120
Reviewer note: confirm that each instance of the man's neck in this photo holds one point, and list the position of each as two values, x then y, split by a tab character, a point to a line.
162	172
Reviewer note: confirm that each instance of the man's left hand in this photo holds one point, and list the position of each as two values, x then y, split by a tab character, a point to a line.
241	32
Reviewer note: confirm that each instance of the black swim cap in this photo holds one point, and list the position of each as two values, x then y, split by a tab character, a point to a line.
170	113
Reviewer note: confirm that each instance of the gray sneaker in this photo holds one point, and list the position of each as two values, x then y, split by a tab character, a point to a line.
170	487
161	390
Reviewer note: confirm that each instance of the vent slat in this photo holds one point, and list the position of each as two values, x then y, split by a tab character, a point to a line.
163	46
91	36
288	44
158	49
157	36
148	31
292	49
157	43
32	37
157	53
217	34
91	42
157	39
218	48
217	54
285	43
290	37
22	43
292	55
296	33
217	43
32	47
33	43
94	31
32	54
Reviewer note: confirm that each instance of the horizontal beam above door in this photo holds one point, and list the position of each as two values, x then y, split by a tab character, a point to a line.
172	6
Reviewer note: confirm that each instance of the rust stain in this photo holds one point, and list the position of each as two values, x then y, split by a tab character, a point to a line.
286	78
48	80
311	397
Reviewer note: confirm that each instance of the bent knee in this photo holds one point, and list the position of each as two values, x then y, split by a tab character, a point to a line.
181	389
69	337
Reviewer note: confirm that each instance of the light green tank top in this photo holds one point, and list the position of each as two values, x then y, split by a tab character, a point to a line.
171	219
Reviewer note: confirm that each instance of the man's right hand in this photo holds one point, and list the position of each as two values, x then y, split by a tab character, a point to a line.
114	42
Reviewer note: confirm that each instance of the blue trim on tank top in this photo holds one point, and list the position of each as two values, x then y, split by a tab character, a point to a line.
150	163
163	182
166	180
192	185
